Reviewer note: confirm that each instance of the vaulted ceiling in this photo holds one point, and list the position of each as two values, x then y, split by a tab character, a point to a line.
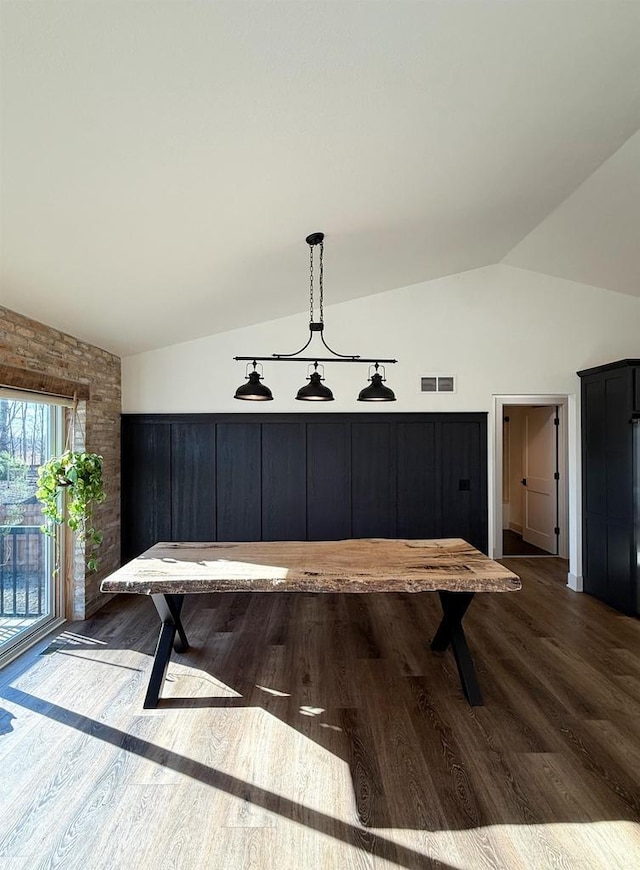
163	162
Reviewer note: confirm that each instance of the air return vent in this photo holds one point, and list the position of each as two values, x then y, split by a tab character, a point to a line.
438	384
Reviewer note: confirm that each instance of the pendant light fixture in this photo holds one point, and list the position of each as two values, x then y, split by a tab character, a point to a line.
254	390
315	390
376	391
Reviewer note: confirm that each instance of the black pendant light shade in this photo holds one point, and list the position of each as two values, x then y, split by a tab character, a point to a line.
376	391
254	391
315	390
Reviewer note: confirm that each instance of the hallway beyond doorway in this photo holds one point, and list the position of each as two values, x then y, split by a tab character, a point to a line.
514	545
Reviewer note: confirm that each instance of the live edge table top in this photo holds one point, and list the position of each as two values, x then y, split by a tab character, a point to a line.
363	565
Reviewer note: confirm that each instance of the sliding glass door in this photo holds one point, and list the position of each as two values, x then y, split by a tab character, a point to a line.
30	433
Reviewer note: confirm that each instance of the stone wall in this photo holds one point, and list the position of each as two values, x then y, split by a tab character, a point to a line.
34	347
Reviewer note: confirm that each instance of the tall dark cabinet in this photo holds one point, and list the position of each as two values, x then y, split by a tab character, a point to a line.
611	483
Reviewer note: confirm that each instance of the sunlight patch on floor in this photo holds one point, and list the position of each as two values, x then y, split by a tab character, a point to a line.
275	692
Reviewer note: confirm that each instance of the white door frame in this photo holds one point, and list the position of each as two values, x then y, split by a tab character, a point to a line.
569	491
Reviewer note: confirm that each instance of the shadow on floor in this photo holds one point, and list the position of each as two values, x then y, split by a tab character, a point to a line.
354	674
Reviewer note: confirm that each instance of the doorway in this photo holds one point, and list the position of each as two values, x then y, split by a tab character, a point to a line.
530	480
550	464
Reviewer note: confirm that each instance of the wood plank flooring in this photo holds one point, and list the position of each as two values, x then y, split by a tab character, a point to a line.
319	731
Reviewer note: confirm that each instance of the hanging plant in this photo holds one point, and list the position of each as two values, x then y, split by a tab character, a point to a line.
79	477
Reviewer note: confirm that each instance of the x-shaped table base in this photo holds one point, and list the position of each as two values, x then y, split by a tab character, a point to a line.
450	632
168	607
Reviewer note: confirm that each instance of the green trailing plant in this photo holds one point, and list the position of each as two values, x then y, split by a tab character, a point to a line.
79	477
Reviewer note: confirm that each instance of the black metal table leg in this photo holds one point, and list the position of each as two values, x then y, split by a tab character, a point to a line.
168	607
450	631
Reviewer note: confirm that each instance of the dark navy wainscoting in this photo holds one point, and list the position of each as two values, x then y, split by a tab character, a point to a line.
252	477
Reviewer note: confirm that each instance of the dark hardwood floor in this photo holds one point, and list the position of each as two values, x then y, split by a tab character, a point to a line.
319	731
514	545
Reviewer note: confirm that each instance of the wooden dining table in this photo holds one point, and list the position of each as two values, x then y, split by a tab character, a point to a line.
169	571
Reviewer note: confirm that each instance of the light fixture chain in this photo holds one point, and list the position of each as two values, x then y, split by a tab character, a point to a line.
321	282
310	284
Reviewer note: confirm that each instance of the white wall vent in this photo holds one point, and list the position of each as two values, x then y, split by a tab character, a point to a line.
438	384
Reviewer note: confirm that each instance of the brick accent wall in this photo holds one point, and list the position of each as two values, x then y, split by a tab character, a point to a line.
32	346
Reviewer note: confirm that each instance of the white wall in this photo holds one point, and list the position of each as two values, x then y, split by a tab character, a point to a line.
503	331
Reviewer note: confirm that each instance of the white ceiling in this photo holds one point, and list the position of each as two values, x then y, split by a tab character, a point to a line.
162	162
594	235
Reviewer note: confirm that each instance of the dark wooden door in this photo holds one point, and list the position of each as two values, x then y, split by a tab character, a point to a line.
419	498
328	480
193	481
463	447
146	486
373	480
238	482
284	485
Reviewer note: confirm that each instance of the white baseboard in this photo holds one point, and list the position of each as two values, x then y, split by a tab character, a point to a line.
516	527
574	582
